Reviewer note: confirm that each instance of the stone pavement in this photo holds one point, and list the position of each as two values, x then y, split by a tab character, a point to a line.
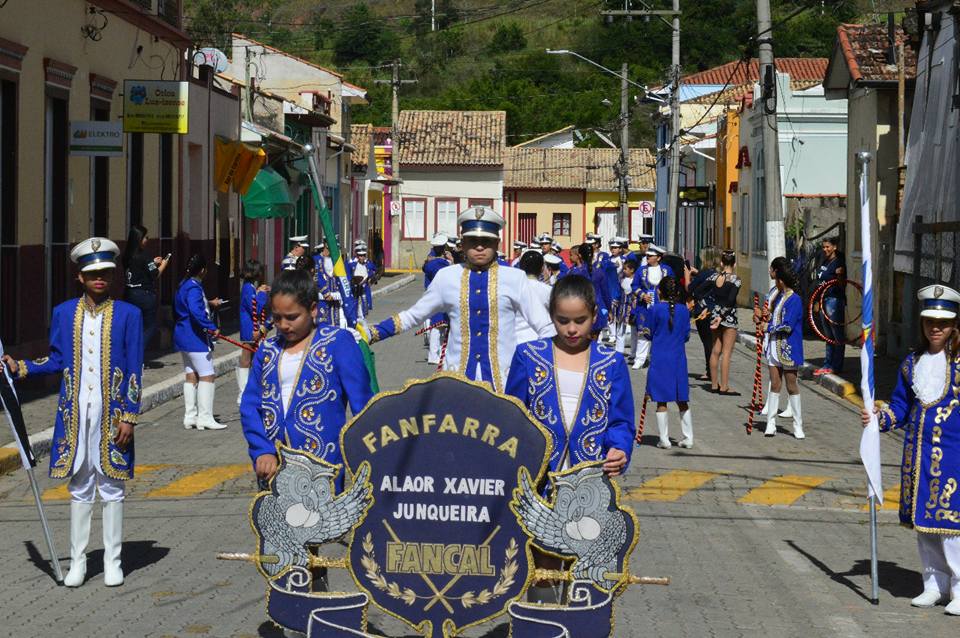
760	536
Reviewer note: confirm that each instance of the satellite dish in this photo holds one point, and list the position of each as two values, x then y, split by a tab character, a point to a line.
215	58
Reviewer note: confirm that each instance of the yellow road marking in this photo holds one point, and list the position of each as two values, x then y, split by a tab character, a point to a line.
201	481
891	499
670	486
783	490
60	492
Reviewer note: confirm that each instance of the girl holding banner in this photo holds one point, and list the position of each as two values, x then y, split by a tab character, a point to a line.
924	405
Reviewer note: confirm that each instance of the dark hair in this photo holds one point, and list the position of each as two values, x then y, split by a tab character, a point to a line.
573	286
586	256
670	293
833	239
305	263
629	261
778	262
195	264
531	262
298	284
134	238
728	258
952	345
252	271
783	273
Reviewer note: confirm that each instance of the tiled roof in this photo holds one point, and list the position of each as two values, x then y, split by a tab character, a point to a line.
360	137
734	94
798	68
575	169
451	138
865	48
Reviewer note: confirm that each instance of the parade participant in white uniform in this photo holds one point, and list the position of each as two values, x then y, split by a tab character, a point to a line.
532	264
625	308
518	249
549	247
300	247
924	406
645	285
552	263
98	408
482	301
192	330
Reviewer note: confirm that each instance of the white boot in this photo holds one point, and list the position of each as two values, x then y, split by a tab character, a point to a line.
771	429
242	375
929	598
112	540
80	514
205	420
189	405
794	400
641	351
621	342
686	427
788	413
664	429
766	404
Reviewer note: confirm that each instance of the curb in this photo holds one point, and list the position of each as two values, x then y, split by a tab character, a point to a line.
153	396
830	382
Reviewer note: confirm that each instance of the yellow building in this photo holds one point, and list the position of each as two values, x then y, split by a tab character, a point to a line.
63	63
728	173
569	192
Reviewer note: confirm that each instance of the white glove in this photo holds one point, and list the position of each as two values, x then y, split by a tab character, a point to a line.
356	334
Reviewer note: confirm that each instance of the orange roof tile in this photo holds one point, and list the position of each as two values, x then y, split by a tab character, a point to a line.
865	46
451	138
798	68
360	136
575	169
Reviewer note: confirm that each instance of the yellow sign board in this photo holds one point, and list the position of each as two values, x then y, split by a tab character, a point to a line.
155	106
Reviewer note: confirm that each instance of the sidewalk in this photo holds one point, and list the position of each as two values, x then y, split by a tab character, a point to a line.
845	384
162	382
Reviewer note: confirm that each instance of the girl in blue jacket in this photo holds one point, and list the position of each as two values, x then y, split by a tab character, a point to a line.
301	381
668	328
784	348
192	338
253	295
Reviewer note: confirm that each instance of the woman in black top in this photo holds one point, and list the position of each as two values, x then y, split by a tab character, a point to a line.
141	276
725	287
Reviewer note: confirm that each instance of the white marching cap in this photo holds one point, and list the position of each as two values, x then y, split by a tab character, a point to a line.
519	245
653	249
301	239
551	259
938	302
480	221
439	240
96	253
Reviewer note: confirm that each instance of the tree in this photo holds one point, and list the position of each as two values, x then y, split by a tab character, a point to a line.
363	36
507	37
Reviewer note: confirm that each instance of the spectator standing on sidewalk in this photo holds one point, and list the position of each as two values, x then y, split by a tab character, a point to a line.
141	275
724	322
833	301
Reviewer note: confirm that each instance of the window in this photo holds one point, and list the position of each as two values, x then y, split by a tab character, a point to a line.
759	217
100	183
413	224
480	202
59	281
526	226
561	224
743	221
446	216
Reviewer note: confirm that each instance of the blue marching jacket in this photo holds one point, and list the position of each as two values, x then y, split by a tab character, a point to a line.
366	300
248	293
605	417
430	270
785	330
598	277
332	376
192	321
667	379
643	286
121	376
930	469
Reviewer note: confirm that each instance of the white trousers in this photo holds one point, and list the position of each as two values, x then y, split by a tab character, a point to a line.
642	349
199	363
940	558
433	350
88	477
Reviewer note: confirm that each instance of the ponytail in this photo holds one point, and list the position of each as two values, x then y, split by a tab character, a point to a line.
669	292
670	322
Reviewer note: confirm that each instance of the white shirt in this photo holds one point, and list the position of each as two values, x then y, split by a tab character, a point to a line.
654	275
930	376
513	299
569	386
289	367
541	291
90	395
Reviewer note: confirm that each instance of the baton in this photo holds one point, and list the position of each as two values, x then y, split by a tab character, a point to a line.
272	559
553	574
231	341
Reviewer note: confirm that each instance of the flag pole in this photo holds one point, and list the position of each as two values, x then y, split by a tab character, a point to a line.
870	439
11	407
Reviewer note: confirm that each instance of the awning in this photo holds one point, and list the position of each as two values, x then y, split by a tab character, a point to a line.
268	196
236	164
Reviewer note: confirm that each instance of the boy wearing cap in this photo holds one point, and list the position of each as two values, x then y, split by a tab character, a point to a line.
924	405
518	248
645	287
300	246
482	300
359	270
96	343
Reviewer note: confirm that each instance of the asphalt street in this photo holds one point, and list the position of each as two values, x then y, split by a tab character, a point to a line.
760	536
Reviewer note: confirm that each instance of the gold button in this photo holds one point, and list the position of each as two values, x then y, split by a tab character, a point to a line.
478	291
90	350
479	312
90	369
478	357
479	333
91	333
90	387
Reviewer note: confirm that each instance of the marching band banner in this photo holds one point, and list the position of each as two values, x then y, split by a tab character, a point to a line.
445	504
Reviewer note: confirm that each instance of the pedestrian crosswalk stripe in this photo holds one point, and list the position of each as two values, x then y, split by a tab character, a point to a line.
783	490
670	486
201	481
891	499
61	493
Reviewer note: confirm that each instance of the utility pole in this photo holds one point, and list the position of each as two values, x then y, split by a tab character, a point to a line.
248	102
395	83
623	219
673	200
772	198
673	220
433	15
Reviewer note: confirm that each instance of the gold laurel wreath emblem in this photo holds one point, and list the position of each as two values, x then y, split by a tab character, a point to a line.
468	599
